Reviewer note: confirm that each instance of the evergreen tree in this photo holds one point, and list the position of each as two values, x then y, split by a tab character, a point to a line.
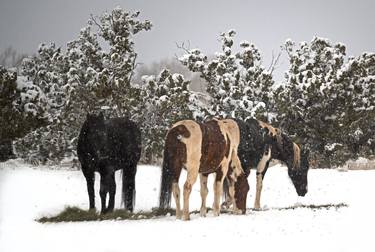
85	79
167	100
322	99
237	83
20	110
355	104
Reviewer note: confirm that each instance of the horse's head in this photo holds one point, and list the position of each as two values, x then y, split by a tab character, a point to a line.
299	170
97	135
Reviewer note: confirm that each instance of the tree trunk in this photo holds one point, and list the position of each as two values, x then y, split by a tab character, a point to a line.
6	150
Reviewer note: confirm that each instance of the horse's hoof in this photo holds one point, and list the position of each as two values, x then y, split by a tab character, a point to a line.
186	216
92	210
238	211
106	211
225	205
203	213
256	207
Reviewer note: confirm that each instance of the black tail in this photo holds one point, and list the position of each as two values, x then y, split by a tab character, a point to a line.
128	187
174	158
167	176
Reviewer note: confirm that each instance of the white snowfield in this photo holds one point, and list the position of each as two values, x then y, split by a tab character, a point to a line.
27	193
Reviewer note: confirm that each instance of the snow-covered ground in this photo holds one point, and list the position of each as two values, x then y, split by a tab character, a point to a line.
28	193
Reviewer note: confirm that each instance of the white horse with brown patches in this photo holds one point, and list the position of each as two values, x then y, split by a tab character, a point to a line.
200	148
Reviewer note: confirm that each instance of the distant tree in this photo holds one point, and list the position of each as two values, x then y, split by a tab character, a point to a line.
11	58
237	83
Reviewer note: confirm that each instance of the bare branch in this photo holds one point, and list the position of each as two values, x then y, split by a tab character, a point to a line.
274	62
96	23
182	47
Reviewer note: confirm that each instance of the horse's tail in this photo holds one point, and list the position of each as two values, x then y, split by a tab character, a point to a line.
167	176
173	160
128	186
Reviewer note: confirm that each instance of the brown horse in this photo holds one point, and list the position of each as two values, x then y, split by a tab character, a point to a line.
200	148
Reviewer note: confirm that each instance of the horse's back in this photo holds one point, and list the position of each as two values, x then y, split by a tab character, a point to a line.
252	143
215	145
124	139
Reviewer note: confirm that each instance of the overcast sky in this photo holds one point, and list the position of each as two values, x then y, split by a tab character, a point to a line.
268	23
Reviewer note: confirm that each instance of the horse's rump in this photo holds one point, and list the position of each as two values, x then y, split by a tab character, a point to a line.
215	146
106	146
124	141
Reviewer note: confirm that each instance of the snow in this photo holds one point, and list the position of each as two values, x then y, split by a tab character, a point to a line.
331	146
244	43
28	193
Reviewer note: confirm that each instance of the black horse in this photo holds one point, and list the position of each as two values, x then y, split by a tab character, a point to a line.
259	143
106	146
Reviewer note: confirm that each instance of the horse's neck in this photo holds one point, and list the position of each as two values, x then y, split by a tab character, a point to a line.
284	155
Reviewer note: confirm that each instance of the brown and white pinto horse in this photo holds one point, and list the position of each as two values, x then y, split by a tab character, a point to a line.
200	148
260	142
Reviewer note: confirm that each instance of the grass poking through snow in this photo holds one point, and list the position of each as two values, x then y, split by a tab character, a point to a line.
75	214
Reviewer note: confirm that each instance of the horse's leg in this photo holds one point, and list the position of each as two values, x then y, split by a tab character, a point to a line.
192	175
177	166
261	171
204	192
90	180
228	187
128	186
218	186
176	196
103	192
227	201
112	192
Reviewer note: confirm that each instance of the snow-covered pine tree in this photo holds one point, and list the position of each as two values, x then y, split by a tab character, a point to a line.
167	99
304	105
355	105
321	100
46	72
21	110
237	83
95	72
106	75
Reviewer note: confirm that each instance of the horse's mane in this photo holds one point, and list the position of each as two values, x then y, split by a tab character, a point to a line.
276	132
296	156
